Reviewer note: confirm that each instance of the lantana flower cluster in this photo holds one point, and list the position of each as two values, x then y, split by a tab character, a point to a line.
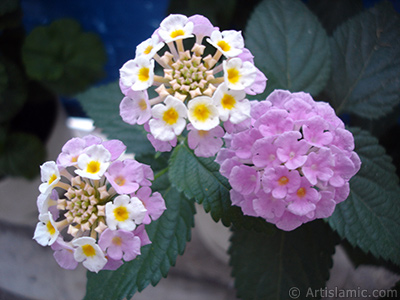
293	161
206	75
93	205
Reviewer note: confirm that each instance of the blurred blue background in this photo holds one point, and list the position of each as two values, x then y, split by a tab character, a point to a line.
121	24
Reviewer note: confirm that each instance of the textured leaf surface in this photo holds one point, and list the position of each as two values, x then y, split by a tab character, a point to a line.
102	105
168	234
289	46
268	266
199	178
366	58
369	218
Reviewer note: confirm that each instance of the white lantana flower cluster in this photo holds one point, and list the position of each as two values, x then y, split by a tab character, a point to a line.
93	206
206	76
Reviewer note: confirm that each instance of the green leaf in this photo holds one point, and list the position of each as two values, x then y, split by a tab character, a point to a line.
369	218
289	46
168	234
62	56
199	178
366	55
102	105
21	154
270	266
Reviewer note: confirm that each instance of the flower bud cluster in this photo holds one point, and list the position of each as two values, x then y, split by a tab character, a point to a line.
93	206
292	163
204	83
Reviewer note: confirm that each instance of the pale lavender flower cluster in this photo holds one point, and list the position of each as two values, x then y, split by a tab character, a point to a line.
93	205
291	163
203	85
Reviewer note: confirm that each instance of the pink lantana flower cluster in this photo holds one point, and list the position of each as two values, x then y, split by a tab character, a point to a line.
293	161
93	205
203	85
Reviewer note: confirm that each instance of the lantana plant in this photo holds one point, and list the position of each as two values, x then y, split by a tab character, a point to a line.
93	205
206	76
287	164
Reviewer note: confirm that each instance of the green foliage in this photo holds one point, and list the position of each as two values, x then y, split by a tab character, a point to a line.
366	55
102	105
293	50
71	59
199	178
168	234
268	265
369	218
289	46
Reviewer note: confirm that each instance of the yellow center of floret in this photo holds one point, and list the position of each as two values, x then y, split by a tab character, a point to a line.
50	228
224	46
201	112
52	178
203	133
233	75
142	104
143	74
170	116
117	241
88	250
120	180
121	213
228	102
176	33
301	192
148	49
283	180
93	167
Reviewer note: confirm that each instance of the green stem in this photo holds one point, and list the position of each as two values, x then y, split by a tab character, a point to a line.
160	173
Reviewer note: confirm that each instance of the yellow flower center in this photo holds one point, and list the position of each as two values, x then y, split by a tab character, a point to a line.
176	33
283	180
50	228
120	180
201	112
233	75
117	241
93	167
88	250
170	116
142	104
144	74
148	49
228	101
224	46
121	213
203	133
52	178
301	192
